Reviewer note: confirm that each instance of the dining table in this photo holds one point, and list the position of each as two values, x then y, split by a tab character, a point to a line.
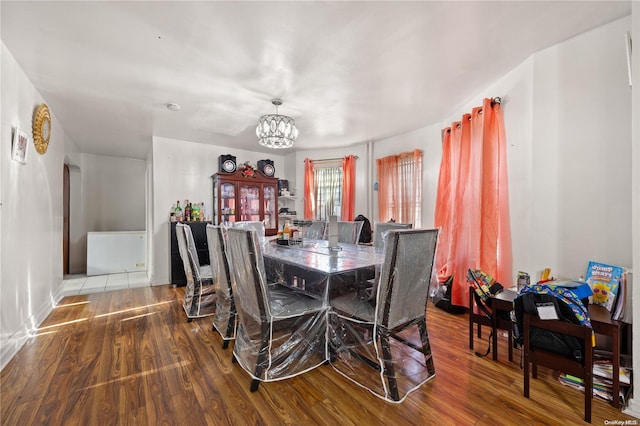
317	269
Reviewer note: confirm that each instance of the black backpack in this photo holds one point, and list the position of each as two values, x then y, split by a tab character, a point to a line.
365	234
568	308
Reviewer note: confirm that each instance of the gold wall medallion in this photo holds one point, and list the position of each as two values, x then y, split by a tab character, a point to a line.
41	128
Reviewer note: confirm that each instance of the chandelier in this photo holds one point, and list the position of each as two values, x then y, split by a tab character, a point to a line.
276	131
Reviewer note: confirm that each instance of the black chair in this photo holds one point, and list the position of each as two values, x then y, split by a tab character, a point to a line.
366	333
281	332
224	319
582	368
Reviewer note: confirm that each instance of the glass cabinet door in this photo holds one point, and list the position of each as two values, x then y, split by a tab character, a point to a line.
270	202
249	203
227	204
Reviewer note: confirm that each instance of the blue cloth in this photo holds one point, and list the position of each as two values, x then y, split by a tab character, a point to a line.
581	289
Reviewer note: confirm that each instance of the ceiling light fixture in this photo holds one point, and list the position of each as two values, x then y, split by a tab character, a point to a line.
173	107
276	131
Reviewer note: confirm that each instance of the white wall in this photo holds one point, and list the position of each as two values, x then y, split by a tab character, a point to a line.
590	193
567	119
31	219
634	404
182	170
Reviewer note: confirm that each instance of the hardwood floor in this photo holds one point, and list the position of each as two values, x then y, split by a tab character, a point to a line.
130	357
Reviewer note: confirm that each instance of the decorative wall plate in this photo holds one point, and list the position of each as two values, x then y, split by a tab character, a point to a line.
41	128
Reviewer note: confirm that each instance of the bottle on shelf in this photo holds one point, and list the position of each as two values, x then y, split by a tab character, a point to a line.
195	213
203	212
187	212
286	231
178	212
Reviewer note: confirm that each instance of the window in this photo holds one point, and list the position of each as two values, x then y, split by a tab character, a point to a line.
400	188
327	191
329	188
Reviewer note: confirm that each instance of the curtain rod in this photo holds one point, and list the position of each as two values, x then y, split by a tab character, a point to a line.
331	159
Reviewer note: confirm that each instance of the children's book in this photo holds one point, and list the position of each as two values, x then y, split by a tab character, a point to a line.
604	281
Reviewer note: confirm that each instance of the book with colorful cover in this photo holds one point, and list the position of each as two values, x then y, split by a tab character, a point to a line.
604	281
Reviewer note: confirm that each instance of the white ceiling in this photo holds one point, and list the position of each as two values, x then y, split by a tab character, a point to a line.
348	72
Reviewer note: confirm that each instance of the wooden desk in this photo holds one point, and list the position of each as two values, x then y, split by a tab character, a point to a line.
601	323
502	302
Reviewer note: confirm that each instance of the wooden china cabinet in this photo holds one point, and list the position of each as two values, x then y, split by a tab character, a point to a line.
246	195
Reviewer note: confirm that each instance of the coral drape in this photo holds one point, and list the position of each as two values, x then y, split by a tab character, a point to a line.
472	202
309	200
348	212
400	187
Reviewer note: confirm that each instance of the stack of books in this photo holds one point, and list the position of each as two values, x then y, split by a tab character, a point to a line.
603	377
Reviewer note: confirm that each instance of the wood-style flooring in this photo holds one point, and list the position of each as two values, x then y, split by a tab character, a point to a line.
130	357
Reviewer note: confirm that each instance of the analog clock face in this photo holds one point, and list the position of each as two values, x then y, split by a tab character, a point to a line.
269	170
229	166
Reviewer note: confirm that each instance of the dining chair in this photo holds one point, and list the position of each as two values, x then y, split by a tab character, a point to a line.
564	343
368	287
281	332
382	227
315	231
257	225
224	319
200	294
365	342
349	232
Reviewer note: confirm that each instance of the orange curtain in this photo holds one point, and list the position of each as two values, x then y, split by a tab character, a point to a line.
472	202
400	187
348	211
309	197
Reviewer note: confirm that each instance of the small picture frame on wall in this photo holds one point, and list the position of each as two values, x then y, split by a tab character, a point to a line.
19	148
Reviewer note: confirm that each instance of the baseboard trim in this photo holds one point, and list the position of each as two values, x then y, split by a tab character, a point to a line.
9	347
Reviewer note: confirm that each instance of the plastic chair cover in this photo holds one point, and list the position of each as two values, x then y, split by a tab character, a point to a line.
200	294
257	225
349	232
315	231
383	227
224	319
360	330
281	332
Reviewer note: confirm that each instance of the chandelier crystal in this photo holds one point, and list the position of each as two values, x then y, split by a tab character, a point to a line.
276	131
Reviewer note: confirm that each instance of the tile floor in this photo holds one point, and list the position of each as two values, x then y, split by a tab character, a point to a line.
82	284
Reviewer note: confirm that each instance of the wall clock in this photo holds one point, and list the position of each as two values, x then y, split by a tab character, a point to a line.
229	166
269	170
266	167
226	163
41	128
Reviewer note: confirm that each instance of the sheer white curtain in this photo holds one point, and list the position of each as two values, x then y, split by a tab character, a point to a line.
328	191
